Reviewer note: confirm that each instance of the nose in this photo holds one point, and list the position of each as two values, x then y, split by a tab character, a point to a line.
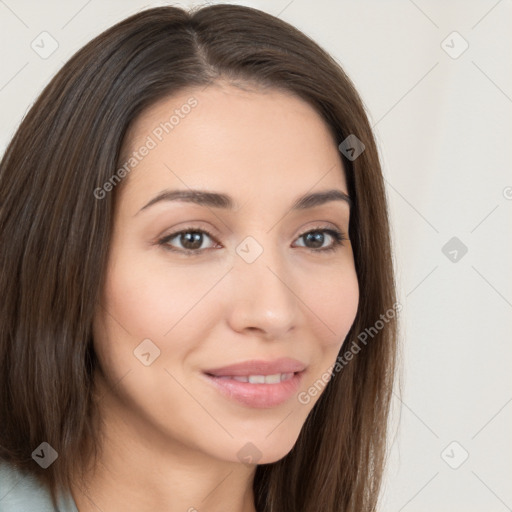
263	298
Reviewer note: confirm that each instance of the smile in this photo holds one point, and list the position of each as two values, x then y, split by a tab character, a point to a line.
257	391
260	379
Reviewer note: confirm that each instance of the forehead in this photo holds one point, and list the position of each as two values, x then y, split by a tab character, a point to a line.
248	143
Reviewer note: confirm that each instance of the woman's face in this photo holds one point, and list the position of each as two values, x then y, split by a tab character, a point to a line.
257	288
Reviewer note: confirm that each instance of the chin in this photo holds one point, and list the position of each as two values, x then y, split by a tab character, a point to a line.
260	449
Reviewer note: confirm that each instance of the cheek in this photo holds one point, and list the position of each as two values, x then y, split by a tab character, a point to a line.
334	303
150	297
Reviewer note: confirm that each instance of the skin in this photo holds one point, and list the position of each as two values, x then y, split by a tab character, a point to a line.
170	439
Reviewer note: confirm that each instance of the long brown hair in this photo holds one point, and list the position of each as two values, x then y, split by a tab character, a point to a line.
55	240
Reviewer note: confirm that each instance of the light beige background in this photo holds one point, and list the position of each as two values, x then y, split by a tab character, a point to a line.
444	128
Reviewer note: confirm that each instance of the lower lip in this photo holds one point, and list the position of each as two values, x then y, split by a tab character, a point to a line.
261	396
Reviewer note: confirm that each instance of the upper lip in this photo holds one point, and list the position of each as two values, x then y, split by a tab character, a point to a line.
259	367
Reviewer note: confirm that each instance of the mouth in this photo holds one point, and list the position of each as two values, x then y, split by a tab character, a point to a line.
258	379
258	384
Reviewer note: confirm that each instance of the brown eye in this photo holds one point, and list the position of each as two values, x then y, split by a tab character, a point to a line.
315	239
189	241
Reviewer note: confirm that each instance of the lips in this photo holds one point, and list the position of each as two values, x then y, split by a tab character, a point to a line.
259	379
258	384
258	367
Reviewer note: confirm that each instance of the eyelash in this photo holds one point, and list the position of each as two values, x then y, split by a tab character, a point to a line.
336	235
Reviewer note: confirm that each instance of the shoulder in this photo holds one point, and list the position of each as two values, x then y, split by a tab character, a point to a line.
21	492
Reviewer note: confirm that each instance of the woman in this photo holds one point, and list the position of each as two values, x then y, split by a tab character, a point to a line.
199	305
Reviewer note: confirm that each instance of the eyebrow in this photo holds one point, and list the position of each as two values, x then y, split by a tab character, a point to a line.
224	201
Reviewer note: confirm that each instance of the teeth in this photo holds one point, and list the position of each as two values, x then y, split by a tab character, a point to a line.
271	379
259	379
262	379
